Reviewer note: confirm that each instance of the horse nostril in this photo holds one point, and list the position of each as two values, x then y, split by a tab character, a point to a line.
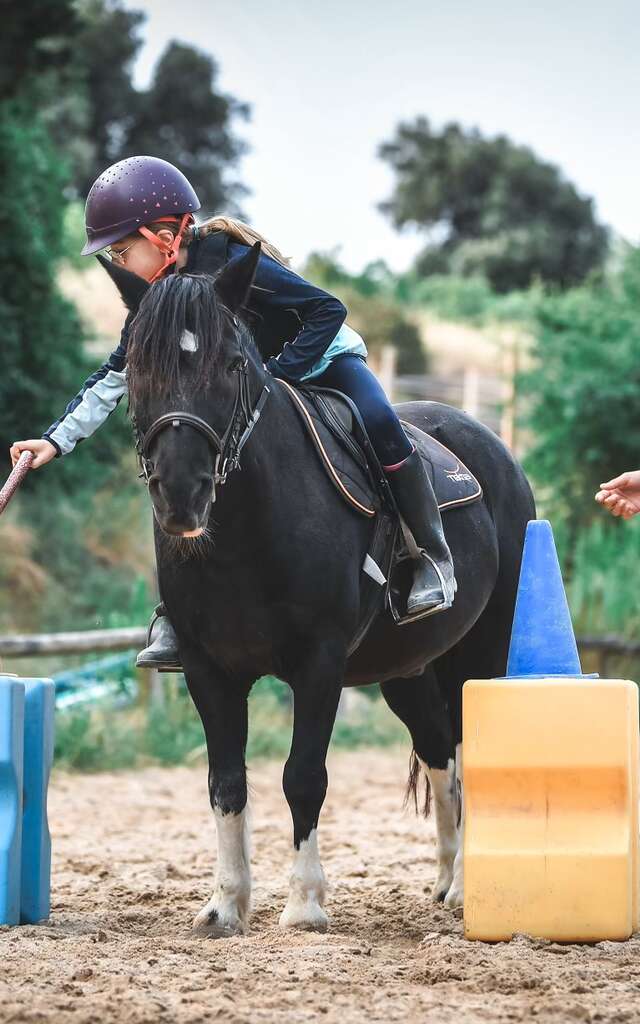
155	487
204	484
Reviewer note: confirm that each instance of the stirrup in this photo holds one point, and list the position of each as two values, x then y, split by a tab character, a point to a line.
445	604
154	618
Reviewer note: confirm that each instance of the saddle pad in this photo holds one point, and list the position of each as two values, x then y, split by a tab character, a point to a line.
453	483
346	465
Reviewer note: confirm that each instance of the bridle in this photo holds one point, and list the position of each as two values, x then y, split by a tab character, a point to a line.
228	447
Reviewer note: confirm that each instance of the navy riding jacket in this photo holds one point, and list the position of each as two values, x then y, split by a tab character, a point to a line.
293	323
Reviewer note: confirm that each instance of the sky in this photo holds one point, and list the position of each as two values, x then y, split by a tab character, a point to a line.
328	82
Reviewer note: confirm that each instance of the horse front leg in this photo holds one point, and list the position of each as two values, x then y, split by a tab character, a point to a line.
316	689
222	705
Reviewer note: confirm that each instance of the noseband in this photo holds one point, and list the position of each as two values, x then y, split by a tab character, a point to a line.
228	447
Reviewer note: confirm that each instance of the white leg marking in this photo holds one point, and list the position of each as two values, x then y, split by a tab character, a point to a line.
443	787
227	912
454	897
307	887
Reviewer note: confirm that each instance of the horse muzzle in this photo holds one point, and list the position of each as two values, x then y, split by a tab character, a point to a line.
179	513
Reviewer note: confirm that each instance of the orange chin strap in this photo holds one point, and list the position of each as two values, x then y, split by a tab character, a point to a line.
170	252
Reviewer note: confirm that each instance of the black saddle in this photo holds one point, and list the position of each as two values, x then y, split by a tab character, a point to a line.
339	436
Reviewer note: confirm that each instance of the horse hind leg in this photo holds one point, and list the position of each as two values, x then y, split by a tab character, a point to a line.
418	703
481	654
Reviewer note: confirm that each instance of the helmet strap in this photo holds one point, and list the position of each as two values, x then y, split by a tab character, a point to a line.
170	252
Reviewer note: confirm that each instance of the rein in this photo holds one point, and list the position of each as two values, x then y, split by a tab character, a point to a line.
228	447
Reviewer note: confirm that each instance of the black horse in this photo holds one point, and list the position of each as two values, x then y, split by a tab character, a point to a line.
266	579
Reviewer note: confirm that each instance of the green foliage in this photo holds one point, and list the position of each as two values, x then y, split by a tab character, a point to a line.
602	592
469	299
371	724
37	36
581	395
73	236
171	733
172	730
583	391
449	296
94	741
490	207
40	329
42	365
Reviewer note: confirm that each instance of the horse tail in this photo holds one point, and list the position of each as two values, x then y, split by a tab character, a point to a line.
413	782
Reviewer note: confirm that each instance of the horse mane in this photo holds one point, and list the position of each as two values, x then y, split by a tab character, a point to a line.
155	360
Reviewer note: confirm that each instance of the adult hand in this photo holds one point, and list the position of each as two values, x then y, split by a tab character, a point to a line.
42	449
621	495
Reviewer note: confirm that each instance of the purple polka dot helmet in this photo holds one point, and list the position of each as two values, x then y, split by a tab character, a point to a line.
132	193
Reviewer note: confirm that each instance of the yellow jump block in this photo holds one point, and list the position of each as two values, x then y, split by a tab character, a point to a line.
551	808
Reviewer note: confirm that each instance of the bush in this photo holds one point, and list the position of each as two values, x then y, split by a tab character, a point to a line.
90	741
602	592
583	392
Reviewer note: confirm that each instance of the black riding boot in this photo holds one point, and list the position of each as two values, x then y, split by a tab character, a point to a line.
434	584
162	651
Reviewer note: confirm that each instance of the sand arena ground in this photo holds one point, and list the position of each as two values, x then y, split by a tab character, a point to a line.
133	863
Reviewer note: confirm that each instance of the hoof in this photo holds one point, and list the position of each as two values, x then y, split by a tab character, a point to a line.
210	924
454	898
442	885
309	917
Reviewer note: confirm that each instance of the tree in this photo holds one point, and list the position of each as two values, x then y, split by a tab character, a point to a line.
42	362
190	125
37	36
490	206
107	44
97	116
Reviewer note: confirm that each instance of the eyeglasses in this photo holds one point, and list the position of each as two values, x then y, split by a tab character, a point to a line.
117	255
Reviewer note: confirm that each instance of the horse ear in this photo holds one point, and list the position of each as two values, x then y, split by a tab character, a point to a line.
131	287
234	281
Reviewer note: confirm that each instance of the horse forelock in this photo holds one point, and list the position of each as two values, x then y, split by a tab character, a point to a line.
181	305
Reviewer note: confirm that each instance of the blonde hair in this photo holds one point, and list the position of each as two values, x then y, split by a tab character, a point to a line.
241	232
236	229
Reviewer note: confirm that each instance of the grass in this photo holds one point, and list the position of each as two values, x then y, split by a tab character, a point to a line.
106	739
601	574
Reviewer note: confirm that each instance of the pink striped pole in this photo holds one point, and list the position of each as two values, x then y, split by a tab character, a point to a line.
15	478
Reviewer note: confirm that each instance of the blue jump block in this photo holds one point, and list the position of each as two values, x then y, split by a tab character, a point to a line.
36	840
11	785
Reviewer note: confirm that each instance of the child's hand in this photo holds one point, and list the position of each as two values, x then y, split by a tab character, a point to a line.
42	449
621	495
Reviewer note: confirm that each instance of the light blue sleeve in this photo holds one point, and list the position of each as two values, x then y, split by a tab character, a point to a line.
346	341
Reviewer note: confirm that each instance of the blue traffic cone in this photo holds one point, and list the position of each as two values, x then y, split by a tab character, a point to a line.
542	638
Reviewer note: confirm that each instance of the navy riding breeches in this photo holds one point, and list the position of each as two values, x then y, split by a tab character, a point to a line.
351	375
